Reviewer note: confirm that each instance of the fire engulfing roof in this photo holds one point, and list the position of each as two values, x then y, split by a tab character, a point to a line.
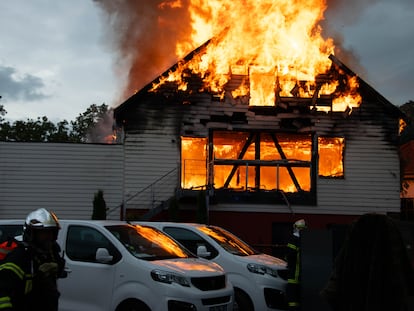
167	90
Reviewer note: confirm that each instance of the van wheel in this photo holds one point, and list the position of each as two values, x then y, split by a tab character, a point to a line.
133	305
242	301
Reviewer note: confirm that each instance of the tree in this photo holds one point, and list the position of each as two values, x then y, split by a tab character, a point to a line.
2	112
99	206
408	109
408	132
173	210
84	125
83	129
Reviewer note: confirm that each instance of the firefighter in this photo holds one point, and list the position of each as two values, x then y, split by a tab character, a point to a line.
28	274
293	260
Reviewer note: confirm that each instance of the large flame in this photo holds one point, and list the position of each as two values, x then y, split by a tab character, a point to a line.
279	43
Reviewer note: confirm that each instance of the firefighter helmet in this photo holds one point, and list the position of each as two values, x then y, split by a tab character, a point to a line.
299	224
40	219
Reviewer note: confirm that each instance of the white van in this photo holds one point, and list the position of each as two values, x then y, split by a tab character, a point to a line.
115	266
259	280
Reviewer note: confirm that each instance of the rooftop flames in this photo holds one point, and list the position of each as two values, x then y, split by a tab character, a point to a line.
277	43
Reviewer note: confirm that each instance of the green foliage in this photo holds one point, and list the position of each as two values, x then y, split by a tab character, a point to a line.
99	206
2	112
408	132
408	109
44	130
40	130
86	121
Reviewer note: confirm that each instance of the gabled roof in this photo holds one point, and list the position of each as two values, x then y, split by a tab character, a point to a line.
132	100
369	89
365	89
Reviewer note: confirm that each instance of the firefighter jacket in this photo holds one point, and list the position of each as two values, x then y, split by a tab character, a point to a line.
293	260
28	279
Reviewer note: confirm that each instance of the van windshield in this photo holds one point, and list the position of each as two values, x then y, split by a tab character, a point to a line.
228	241
148	243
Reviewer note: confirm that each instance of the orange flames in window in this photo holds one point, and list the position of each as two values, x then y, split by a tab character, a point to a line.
275	174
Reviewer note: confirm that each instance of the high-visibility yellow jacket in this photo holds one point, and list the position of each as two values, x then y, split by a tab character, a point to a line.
23	286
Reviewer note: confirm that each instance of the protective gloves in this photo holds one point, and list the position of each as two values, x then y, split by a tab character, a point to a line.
48	269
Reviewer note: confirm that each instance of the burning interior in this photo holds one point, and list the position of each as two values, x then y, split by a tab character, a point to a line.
286	160
252	161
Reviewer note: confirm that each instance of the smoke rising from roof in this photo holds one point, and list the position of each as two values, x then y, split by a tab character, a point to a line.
144	34
339	14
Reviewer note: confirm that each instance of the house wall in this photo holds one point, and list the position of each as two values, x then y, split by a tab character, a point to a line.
372	177
151	169
371	180
60	177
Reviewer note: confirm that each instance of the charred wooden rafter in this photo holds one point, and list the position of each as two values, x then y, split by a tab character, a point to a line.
283	156
240	157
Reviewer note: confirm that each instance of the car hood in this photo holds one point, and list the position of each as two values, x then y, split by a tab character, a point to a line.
266	260
191	266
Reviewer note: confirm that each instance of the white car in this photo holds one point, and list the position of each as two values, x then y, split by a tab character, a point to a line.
259	280
115	266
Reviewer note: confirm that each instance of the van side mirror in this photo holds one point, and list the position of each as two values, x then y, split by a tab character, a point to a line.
103	256
202	251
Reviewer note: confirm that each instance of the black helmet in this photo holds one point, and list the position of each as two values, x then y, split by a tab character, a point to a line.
39	219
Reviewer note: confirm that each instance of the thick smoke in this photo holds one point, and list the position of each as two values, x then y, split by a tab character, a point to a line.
144	35
339	15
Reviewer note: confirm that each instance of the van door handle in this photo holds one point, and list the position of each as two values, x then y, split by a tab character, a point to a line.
67	270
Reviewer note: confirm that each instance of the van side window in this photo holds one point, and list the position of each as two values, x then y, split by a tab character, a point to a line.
190	240
82	243
10	231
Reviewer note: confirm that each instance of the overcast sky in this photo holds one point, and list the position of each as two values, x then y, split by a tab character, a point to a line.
55	58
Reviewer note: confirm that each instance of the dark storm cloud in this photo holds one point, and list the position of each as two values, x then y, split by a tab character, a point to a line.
27	87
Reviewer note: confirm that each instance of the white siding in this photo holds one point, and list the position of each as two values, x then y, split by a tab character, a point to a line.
371	182
59	177
372	178
371	163
151	169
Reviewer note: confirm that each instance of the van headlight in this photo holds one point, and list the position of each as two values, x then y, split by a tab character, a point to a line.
169	278
261	269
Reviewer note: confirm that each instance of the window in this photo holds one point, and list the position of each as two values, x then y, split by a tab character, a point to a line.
82	243
191	240
255	161
331	154
148	243
193	163
10	232
262	161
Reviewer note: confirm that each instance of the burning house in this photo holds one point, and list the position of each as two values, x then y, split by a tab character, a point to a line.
306	152
260	134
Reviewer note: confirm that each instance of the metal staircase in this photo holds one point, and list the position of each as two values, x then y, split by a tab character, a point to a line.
155	197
